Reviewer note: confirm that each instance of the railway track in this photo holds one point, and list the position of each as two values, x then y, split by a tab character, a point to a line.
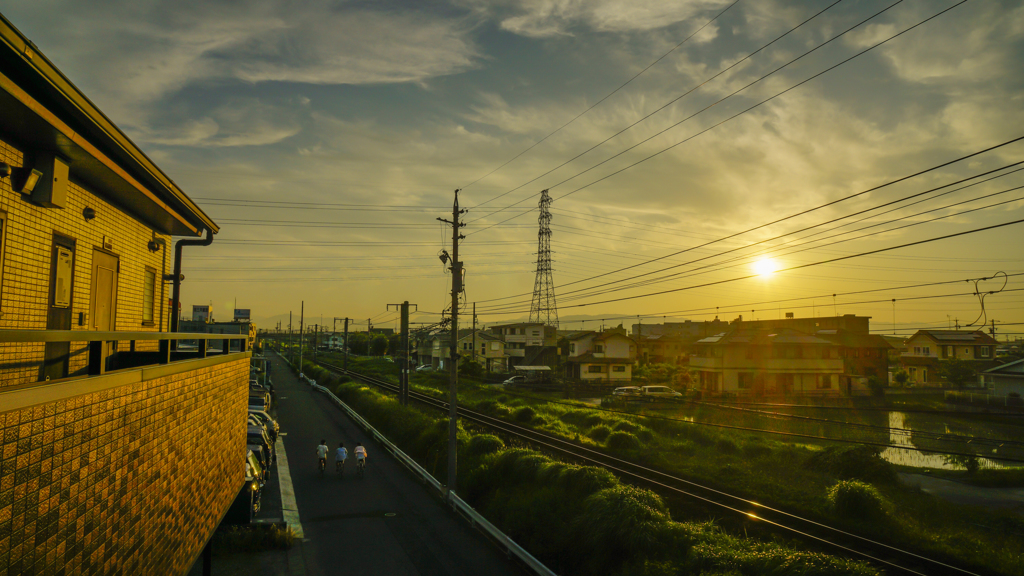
883	555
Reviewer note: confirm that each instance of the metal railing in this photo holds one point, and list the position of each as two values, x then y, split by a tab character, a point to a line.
100	355
460	506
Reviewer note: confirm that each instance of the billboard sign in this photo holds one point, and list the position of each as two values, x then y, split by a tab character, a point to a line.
241	314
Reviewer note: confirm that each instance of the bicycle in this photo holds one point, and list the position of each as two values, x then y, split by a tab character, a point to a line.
323	462
339	467
360	466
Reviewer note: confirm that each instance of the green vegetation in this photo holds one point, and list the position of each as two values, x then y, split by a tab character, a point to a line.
253	538
857	500
797	477
957	372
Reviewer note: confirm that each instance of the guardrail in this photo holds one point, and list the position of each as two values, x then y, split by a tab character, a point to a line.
453	499
98	356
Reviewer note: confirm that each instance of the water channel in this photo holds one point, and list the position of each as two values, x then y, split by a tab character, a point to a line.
909	455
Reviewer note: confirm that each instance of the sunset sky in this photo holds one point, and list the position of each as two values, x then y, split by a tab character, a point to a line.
326	138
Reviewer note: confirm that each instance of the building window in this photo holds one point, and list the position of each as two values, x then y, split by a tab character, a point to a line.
984	351
595	369
746	380
917	350
618	368
572	348
913	374
536	332
148	295
927	350
924	374
824	382
599	348
967	351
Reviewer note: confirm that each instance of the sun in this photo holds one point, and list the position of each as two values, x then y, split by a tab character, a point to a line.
766	266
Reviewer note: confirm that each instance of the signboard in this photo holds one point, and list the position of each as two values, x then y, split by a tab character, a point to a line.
241	314
62	287
201	313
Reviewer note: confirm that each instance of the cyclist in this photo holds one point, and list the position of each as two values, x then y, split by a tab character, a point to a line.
339	458
360	456
321	454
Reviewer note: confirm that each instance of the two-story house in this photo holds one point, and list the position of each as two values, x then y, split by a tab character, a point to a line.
527	343
754	360
601	356
926	348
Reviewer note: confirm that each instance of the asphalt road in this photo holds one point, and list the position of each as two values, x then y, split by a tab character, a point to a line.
384	523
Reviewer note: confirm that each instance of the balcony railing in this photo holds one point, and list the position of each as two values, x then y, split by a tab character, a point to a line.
172	346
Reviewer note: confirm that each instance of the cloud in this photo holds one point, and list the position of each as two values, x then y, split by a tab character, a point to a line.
544	18
239	122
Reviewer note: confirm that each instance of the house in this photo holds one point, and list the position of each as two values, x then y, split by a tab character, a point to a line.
926	348
527	343
601	356
818	355
758	361
484	348
1006	379
109	426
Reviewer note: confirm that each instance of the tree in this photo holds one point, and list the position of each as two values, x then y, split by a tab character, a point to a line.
901	378
357	343
379	345
957	372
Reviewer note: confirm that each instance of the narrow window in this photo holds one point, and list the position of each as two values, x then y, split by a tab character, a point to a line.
148	294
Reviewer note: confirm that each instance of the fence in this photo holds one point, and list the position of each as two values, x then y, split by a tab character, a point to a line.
983	399
459	505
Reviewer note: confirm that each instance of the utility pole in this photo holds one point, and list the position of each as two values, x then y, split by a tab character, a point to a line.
403	372
289	332
453	397
992	330
316	340
302	315
474	332
346	344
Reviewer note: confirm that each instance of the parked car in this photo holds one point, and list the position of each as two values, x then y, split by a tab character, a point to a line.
247	503
253	467
260	455
627	391
272	425
257	435
259	400
515	380
425	368
660	392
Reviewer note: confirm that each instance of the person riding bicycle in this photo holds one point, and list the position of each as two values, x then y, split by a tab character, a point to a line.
321	453
360	452
340	455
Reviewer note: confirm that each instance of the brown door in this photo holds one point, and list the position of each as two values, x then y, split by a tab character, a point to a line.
103	300
60	303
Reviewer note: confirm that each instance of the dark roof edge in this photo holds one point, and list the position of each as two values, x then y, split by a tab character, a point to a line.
20	45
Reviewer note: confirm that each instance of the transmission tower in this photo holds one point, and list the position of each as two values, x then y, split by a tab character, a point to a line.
543	309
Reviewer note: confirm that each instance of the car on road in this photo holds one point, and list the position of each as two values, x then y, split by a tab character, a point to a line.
515	380
626	391
660	392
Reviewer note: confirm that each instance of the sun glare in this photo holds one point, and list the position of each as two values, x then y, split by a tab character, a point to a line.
766	266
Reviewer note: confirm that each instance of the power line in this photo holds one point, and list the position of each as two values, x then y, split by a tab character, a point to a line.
665	105
607	96
712	127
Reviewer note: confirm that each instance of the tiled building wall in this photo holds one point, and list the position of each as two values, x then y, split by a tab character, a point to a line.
132	480
25	276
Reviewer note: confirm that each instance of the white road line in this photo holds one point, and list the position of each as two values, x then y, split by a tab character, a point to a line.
289	509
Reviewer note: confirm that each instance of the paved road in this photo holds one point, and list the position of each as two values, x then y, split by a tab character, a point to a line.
385	523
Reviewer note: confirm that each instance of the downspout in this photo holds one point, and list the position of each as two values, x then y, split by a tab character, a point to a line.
176	276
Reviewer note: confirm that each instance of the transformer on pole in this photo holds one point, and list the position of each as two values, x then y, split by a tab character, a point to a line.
543	308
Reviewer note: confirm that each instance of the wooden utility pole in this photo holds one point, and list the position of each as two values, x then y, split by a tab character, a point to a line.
474	332
346	344
453	391
403	372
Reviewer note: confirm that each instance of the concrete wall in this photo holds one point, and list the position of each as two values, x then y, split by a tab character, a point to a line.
128	473
25	276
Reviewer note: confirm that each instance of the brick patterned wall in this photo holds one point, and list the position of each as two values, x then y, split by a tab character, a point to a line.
131	480
25	277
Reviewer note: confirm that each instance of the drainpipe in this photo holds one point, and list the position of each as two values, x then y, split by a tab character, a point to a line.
176	276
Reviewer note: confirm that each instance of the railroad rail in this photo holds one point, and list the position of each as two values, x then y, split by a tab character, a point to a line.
892	557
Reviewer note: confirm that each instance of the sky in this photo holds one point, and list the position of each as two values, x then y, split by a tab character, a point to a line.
326	138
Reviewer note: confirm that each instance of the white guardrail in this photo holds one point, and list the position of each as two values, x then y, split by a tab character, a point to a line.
457	503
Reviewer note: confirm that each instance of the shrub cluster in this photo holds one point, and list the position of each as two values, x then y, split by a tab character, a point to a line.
853	499
854	463
253	538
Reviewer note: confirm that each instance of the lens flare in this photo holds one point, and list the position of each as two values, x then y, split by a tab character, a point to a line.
766	266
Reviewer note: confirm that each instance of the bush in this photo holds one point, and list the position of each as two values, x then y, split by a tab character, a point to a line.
622	441
853	499
483	444
621	522
599	433
626	426
254	538
726	446
524	414
756	449
853	463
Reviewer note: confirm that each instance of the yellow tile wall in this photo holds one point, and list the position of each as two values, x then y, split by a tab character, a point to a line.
25	276
131	480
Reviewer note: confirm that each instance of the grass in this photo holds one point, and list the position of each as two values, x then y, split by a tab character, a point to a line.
796	477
